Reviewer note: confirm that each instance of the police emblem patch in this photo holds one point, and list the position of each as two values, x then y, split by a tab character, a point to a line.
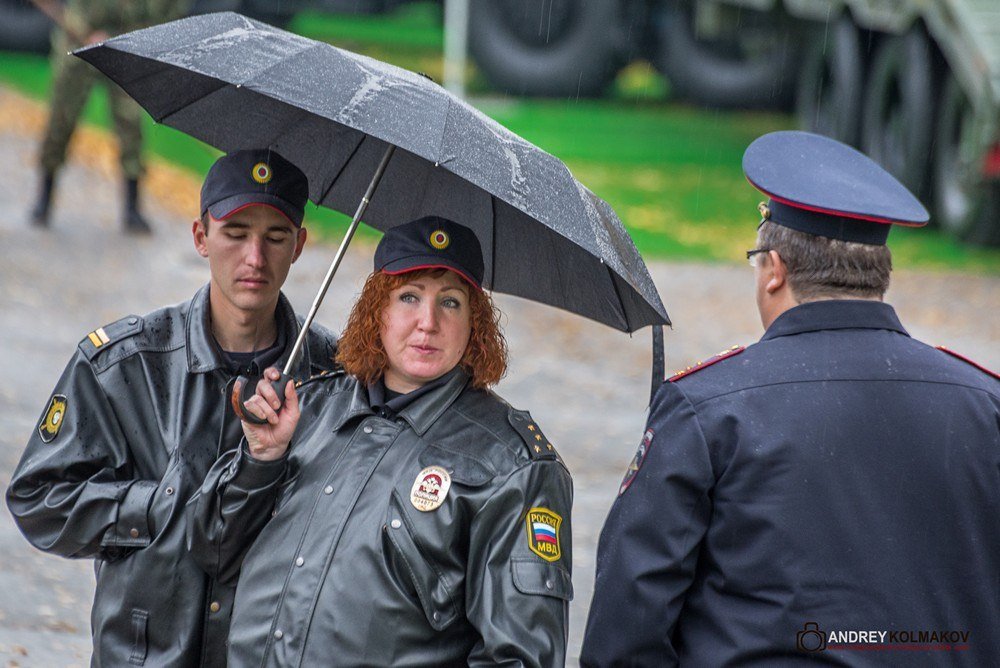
636	463
261	172
53	420
430	488
439	239
543	533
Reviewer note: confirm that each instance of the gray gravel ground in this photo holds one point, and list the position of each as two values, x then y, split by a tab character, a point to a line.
586	385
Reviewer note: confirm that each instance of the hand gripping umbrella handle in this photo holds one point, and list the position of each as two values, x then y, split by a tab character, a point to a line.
244	388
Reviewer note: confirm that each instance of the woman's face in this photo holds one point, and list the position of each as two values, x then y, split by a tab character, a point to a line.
425	330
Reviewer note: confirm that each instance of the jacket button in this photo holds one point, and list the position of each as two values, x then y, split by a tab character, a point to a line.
396	524
300	561
132	321
328	489
168	491
215	606
368	429
134	533
436	616
278	634
549	584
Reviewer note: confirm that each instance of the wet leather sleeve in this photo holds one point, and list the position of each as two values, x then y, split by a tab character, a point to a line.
74	492
229	510
649	546
521	606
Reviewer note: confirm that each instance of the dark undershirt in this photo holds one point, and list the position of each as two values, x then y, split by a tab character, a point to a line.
387	403
252	364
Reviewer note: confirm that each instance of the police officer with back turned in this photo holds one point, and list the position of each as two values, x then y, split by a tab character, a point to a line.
827	494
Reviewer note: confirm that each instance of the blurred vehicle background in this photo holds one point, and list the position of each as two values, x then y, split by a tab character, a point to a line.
913	83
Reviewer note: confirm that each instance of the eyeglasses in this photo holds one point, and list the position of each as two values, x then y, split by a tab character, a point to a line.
752	255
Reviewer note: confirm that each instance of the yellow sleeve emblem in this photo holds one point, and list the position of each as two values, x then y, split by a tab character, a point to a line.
543	533
53	420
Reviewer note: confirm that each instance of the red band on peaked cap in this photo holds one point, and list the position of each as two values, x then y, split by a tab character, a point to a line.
418	267
832	212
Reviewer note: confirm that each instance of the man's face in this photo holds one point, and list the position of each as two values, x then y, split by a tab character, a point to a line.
249	255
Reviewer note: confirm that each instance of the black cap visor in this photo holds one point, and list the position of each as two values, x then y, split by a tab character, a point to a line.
230	205
418	262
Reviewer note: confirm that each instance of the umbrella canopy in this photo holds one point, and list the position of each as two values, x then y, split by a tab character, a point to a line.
235	83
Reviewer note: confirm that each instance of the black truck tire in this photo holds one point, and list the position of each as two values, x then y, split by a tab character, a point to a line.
723	73
898	115
965	205
547	48
23	28
831	82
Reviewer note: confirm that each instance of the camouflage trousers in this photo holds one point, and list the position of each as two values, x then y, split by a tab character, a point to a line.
72	82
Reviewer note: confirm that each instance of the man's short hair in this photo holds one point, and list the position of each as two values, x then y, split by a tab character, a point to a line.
820	267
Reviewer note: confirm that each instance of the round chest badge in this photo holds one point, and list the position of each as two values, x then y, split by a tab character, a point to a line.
430	488
439	239
261	172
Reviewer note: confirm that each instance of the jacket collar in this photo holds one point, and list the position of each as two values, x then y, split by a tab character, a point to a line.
835	314
203	352
420	414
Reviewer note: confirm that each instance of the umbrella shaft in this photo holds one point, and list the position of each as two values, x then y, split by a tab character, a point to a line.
297	349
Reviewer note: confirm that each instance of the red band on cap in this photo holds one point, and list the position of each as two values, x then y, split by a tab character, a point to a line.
250	204
433	266
832	212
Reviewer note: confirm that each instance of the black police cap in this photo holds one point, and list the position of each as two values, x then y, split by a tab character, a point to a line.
431	242
820	186
255	177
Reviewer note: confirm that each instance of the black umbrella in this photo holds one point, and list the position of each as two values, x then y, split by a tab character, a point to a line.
236	83
344	118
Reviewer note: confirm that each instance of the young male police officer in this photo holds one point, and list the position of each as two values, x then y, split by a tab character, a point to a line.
836	477
126	437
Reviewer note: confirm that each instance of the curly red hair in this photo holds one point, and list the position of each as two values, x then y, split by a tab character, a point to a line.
360	349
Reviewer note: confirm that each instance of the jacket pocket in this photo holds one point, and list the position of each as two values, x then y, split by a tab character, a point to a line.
539	578
140	619
435	592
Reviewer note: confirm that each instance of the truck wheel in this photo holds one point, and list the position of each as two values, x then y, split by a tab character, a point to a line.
965	205
897	120
750	66
23	28
551	48
831	82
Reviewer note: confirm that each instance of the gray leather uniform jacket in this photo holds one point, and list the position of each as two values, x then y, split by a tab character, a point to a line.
347	571
128	436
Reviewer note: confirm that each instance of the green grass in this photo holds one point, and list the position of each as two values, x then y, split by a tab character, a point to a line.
671	172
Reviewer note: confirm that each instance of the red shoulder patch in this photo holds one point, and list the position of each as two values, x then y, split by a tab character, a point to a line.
725	354
968	361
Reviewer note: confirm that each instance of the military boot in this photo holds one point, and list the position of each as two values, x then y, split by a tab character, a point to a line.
40	212
134	221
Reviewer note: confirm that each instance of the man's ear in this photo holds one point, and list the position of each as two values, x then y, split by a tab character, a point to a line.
199	233
777	277
300	242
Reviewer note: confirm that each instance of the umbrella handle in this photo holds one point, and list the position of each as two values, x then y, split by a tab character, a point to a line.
659	362
293	358
244	388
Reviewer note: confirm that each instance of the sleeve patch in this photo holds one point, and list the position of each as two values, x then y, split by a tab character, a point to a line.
53	419
637	460
543	526
969	362
539	447
103	337
725	354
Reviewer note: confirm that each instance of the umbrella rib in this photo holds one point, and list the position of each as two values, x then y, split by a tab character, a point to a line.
336	176
618	294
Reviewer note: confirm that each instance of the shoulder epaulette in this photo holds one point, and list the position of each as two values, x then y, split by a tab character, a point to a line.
538	446
103	338
970	362
725	354
339	371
